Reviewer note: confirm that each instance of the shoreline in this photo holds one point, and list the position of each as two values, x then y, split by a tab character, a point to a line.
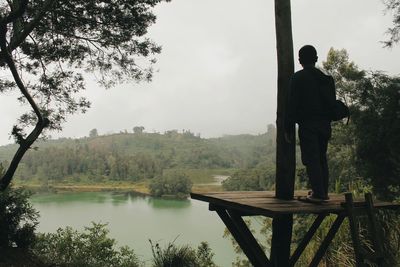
137	188
60	188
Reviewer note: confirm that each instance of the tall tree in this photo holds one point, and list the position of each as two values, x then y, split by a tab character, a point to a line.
374	130
285	152
93	133
45	44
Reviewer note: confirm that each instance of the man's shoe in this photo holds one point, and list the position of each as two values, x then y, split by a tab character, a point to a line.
311	193
314	199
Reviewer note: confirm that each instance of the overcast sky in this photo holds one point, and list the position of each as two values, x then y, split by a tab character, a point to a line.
217	70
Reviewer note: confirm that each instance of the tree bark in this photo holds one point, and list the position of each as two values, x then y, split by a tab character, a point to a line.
285	152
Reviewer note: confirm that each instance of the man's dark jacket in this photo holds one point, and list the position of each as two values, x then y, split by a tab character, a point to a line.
311	97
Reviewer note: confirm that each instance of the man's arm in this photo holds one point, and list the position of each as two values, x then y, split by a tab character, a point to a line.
290	109
329	93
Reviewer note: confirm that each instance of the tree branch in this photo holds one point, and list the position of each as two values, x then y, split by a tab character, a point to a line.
10	62
14	14
24	146
40	125
28	28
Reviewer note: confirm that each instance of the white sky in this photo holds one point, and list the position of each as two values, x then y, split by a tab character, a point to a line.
217	70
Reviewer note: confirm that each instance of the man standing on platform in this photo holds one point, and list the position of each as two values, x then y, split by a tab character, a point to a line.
311	96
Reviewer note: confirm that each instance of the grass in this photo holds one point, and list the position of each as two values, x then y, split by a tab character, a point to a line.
203	181
199	188
119	186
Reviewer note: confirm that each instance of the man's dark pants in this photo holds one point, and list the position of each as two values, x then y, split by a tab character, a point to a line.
314	136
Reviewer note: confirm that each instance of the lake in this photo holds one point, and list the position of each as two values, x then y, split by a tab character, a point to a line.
133	220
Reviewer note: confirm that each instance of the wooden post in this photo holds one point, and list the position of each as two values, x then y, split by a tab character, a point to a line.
285	152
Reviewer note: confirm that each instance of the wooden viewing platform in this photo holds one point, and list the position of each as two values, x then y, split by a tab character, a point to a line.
231	206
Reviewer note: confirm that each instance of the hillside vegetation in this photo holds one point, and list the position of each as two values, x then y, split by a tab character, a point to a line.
141	156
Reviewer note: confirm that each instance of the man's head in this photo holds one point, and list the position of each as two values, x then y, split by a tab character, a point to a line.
308	55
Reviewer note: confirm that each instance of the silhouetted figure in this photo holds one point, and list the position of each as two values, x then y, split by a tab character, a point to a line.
310	98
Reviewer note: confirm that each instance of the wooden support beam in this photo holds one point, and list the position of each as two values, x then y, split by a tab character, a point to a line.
327	240
248	235
306	239
349	206
285	152
244	243
281	240
374	229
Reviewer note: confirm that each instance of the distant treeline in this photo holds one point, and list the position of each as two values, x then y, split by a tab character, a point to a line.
140	155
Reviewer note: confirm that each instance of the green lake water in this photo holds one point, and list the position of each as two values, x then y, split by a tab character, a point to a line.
133	220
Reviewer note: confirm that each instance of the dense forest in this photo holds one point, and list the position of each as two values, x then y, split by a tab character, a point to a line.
139	155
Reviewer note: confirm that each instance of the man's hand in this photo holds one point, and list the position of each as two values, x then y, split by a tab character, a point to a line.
288	138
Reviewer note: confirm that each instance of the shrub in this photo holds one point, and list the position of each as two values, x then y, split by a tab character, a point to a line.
18	219
91	248
183	256
175	183
251	179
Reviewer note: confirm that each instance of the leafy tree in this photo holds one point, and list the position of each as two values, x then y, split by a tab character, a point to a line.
394	32
51	41
251	179
138	129
93	133
342	147
377	130
367	150
173	183
92	248
18	219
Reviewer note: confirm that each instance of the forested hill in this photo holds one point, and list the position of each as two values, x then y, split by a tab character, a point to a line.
136	156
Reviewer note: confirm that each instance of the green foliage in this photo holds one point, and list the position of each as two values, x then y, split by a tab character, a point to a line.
367	150
92	248
18	219
340	252
93	133
394	32
171	184
377	131
184	256
134	157
257	179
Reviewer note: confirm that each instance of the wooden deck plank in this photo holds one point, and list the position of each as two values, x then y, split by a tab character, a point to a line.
264	203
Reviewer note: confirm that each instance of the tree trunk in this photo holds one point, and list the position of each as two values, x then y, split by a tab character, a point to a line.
285	152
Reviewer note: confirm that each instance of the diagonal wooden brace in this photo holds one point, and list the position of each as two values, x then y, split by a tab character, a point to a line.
243	236
306	239
327	240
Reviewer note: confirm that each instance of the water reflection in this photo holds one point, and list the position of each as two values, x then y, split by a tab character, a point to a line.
69	197
161	203
121	198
